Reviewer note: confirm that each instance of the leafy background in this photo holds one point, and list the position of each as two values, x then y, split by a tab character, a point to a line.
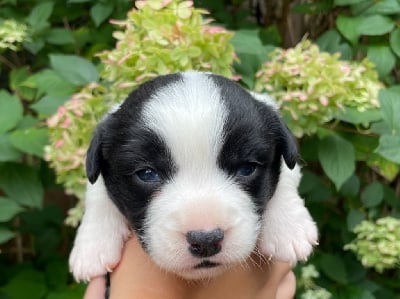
48	54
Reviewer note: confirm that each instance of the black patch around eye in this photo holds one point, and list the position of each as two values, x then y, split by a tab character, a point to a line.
126	172
250	136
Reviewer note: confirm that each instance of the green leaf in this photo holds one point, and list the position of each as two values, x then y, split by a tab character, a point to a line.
348	27
57	273
48	104
35	46
17	78
26	284
100	12
352	27
270	36
5	235
347	2
76	70
395	41
383	58
372	195
334	267
251	58
385	7
8	209
309	181
384	167
75	291
50	83
337	158
351	187
10	111
390	106
354	217
353	116
7	151
389	148
375	25
390	197
30	141
60	36
357	292
331	42
27	122
40	14
21	183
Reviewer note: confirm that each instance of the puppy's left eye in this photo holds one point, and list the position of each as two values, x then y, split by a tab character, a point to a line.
246	169
148	175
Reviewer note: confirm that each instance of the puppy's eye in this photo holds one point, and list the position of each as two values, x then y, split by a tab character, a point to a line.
246	169
148	175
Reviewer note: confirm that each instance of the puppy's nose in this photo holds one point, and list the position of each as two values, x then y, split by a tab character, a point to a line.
205	243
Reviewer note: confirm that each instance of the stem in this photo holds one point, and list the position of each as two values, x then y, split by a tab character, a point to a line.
397	188
7	62
19	250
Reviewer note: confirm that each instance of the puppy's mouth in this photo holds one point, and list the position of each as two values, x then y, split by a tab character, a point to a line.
206	264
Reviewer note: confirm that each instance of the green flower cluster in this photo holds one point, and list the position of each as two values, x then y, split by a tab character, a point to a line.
306	281
158	37
377	244
12	34
163	37
313	86
70	130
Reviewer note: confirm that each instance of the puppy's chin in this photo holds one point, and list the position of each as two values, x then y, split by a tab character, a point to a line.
202	271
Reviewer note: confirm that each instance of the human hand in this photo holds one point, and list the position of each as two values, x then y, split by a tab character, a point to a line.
138	277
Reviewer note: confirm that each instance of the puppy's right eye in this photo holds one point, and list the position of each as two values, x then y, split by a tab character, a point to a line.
148	175
246	169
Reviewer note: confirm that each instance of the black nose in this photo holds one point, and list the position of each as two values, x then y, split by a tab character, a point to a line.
205	243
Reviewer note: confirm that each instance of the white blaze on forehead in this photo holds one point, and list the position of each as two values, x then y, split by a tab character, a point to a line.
189	115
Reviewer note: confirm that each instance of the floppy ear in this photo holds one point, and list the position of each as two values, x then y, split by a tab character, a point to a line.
94	157
287	143
288	146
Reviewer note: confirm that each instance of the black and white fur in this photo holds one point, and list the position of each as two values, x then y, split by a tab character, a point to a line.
192	152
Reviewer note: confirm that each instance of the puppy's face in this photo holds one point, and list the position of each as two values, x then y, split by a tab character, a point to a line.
191	160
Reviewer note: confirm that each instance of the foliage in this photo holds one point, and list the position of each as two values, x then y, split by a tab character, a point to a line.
351	161
156	39
312	87
32	33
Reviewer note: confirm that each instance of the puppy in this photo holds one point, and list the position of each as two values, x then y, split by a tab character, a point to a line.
204	173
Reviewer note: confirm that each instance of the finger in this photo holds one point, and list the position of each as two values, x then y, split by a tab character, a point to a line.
96	288
277	275
287	287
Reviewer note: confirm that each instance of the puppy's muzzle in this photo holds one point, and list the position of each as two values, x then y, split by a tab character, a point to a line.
204	243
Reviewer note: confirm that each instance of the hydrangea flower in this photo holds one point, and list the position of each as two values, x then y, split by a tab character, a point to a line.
377	244
12	34
313	86
306	281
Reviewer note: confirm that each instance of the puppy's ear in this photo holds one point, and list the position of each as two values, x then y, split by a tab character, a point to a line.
288	146
287	142
94	157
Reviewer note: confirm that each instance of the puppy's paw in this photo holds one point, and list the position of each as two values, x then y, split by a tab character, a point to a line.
94	259
290	238
95	254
